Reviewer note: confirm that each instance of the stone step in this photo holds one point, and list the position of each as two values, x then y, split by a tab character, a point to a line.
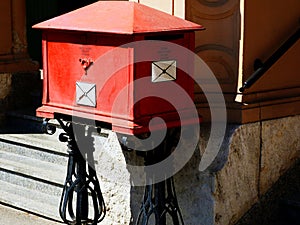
39	146
32	183
33	167
30	167
32	172
45	205
14	216
36	189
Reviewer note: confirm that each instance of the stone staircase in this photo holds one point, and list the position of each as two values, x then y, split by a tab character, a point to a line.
32	167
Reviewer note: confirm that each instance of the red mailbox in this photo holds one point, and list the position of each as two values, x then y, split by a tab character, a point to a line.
119	63
79	80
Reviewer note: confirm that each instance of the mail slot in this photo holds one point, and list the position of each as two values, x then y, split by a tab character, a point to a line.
92	69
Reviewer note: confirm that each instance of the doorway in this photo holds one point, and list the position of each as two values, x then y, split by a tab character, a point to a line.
38	11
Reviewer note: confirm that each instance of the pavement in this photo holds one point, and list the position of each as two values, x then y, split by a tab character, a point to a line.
11	216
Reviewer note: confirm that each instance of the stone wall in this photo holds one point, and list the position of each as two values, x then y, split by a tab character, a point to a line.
280	149
252	158
259	154
5	85
123	200
5	88
236	184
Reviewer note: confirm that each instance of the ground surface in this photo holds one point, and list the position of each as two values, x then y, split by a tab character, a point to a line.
10	216
281	205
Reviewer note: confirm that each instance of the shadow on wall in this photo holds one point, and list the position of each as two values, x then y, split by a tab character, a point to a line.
194	189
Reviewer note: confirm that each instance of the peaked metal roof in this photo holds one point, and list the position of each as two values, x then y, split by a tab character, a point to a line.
118	17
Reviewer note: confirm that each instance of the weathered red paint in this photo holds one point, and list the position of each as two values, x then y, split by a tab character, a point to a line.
72	44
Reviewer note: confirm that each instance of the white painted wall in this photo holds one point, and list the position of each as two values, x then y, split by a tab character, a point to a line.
173	7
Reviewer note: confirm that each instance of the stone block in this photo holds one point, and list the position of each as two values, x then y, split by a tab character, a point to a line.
5	85
236	188
280	149
114	179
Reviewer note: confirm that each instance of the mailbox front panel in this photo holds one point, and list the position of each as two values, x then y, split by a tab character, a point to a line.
78	79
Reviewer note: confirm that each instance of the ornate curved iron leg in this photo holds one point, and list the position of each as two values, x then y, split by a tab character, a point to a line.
159	205
81	183
160	199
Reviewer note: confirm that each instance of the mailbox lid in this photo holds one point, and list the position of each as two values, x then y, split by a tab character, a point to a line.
118	17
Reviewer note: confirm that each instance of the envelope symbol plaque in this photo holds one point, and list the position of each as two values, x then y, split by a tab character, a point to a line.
86	94
163	71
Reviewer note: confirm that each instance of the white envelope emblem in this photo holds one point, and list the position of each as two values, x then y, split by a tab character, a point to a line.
163	71
86	94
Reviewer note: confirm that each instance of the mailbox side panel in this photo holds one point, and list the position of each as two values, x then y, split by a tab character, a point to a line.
45	69
169	71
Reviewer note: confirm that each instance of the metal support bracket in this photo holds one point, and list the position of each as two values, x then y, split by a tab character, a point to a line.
81	188
160	203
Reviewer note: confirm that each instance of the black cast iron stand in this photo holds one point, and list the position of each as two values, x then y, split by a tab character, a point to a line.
81	188
160	198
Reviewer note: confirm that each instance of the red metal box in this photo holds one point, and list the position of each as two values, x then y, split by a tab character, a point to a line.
103	62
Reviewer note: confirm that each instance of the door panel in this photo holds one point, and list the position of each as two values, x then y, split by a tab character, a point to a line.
218	45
